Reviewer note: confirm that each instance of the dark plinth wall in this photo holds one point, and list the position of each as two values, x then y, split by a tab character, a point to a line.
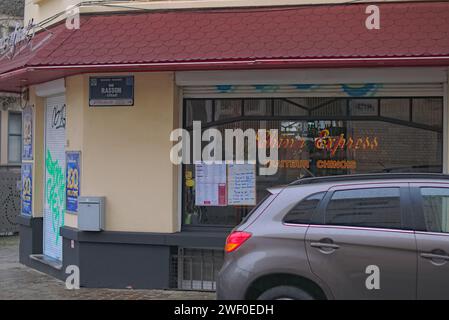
31	237
114	259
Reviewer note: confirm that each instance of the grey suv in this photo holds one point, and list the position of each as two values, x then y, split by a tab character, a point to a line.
380	236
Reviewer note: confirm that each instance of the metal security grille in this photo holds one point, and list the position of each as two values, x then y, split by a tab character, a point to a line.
9	199
54	206
195	269
314	90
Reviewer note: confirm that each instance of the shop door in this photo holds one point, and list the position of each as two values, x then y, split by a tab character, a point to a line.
54	193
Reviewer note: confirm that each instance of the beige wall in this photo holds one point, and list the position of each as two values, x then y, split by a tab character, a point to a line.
125	153
76	95
38	153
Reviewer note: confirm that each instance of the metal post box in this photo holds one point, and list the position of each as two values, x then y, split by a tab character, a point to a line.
91	213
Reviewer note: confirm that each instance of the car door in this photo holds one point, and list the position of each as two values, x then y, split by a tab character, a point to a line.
362	245
432	236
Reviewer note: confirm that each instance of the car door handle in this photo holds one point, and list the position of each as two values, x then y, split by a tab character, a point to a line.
324	245
434	256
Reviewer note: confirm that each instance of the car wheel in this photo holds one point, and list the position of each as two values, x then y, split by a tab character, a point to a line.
285	293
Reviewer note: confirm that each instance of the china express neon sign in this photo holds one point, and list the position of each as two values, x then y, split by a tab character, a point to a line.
332	144
324	142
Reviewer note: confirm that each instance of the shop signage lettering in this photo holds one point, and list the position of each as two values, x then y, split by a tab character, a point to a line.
331	144
111	91
336	164
291	164
320	164
323	142
281	142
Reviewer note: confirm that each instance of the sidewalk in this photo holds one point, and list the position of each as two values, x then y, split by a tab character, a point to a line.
19	282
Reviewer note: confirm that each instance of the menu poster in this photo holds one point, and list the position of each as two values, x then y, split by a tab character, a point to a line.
242	184
210	184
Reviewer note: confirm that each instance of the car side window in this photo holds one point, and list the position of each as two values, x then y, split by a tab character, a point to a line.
436	209
303	211
372	208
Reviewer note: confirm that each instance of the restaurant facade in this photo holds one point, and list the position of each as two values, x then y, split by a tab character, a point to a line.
103	100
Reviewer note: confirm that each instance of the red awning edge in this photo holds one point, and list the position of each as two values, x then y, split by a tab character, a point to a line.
328	36
24	77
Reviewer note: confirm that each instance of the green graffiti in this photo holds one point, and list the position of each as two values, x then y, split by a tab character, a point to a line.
55	193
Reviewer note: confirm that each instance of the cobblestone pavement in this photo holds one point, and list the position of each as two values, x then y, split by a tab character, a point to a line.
20	282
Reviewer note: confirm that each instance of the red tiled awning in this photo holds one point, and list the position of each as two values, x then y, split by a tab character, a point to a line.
311	36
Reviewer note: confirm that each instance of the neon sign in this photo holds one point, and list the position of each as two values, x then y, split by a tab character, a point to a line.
331	144
336	164
324	142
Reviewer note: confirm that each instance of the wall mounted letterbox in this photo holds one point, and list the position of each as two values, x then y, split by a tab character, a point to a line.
91	211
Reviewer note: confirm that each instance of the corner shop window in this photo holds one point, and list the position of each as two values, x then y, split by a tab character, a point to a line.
321	136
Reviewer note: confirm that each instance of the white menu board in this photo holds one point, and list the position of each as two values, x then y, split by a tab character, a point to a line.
242	184
210	184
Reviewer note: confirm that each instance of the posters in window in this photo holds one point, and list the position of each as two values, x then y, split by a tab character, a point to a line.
27	188
241	184
27	124
210	184
73	180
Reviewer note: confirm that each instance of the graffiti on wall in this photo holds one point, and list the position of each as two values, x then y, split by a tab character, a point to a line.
58	118
55	193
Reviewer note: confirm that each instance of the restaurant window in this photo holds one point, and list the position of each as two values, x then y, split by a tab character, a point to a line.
198	110
396	109
227	108
319	137
14	137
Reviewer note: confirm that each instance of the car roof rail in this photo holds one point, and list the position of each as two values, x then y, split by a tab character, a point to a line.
370	176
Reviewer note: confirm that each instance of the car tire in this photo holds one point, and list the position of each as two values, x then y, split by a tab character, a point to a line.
285	293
